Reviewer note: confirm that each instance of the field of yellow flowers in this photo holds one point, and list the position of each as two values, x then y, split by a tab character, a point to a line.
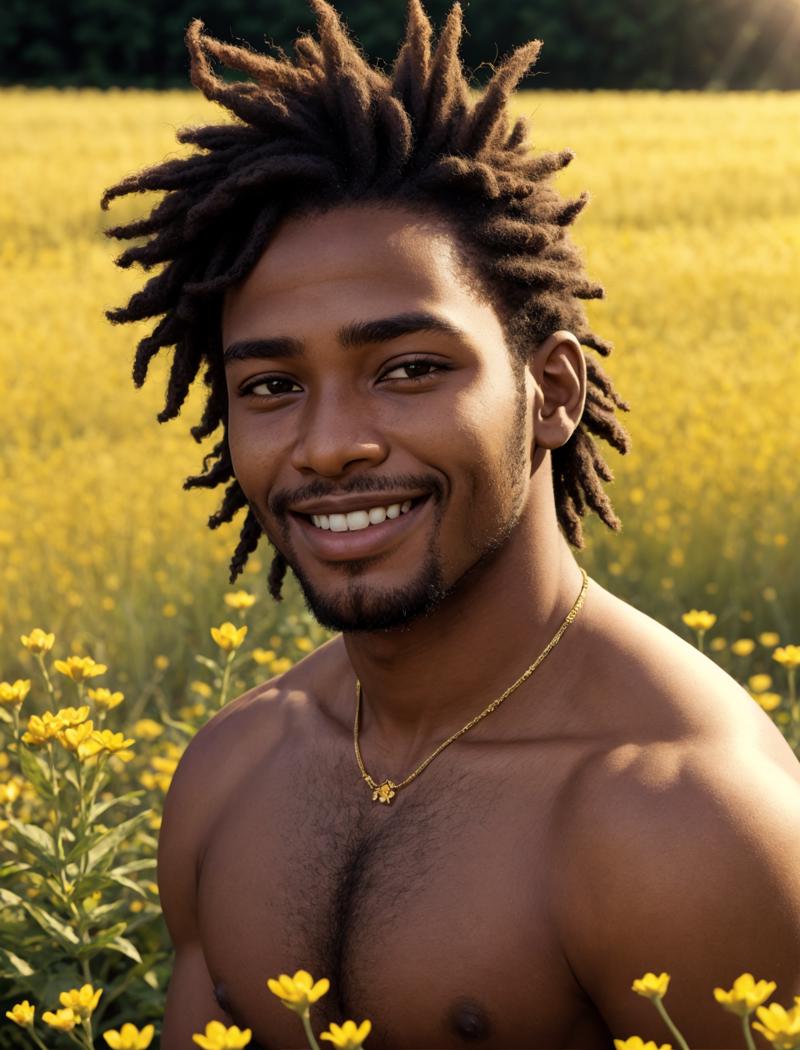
112	582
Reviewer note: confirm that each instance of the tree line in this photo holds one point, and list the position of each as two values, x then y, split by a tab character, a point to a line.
588	44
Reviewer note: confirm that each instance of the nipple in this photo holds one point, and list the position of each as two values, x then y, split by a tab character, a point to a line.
468	1019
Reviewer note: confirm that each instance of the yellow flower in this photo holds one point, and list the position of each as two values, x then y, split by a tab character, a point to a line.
305	645
40	730
22	1014
652	987
73	716
769	638
228	637
64	1020
147	728
240	600
769	701
634	1042
104	697
787	656
11	790
263	656
781	1027
169	609
115	743
202	689
759	683
298	992
281	665
129	1037
347	1036
79	668
14	693
161	662
745	995
218	1037
718	644
38	641
81	1001
743	646
699	620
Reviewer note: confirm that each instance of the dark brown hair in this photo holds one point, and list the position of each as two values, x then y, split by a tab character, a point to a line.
328	128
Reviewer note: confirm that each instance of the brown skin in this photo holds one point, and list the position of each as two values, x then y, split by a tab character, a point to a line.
628	808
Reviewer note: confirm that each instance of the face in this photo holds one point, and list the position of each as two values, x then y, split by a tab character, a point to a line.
376	422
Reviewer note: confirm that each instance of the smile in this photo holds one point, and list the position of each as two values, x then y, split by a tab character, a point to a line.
360	533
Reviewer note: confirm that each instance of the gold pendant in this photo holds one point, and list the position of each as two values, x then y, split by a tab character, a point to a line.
385	792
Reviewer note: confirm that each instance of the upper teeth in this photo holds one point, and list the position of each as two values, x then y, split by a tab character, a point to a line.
359	519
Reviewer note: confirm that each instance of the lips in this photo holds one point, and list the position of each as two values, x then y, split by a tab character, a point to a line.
364	543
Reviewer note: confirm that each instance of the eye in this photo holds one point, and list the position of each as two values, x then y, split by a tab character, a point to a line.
270	382
427	366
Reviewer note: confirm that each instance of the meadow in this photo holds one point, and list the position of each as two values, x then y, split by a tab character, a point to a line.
694	231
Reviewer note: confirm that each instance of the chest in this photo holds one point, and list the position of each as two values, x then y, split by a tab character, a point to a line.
429	916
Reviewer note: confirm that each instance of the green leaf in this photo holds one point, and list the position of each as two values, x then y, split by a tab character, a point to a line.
134	865
36	770
212	665
101	939
99	844
101	807
38	841
17	964
63	933
125	947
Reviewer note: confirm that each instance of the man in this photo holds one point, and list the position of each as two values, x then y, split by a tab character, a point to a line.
500	794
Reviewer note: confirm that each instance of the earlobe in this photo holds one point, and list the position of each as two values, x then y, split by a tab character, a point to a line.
560	369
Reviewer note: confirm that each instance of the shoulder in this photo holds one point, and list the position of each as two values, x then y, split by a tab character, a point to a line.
678	848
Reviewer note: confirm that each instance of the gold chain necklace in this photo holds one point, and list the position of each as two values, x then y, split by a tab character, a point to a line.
385	791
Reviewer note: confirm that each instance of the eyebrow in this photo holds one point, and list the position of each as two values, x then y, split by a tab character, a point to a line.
355	334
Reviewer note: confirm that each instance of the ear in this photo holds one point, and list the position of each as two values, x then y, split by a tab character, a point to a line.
559	369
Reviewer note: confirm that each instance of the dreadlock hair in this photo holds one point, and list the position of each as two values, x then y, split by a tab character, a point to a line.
328	128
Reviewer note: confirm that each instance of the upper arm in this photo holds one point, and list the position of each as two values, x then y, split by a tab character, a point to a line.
190	998
686	862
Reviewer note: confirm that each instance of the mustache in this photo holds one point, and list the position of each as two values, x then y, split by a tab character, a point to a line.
280	500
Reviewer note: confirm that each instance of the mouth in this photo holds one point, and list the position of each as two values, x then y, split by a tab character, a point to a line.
339	537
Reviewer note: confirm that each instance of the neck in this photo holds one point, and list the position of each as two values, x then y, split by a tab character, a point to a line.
422	683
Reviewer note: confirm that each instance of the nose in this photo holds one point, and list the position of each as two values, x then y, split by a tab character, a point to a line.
337	431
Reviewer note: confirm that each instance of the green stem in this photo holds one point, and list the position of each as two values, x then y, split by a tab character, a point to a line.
46	676
669	1023
226	677
700	636
36	1039
56	804
306	1019
748	1035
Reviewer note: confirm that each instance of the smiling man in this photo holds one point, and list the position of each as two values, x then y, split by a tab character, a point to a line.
499	794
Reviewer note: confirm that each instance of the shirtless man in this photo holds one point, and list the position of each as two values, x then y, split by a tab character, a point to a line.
626	808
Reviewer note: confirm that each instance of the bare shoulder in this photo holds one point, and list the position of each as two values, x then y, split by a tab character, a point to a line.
678	838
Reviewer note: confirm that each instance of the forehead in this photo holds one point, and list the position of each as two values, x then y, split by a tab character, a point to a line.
351	263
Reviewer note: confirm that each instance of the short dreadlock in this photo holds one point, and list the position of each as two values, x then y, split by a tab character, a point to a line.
328	128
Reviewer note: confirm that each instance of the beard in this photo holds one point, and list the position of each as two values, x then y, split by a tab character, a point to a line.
359	606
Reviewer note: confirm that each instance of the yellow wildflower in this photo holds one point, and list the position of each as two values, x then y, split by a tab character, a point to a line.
169	609
11	790
745	995
769	701
652	987
38	641
115	743
281	665
105	698
147	729
63	1020
161	662
298	992
769	638
779	1025
263	656
201	688
305	645
73	716
240	600
718	644
22	1014
699	620
40	730
81	1001
228	637
743	646
129	1037
79	668
787	656
347	1036
635	1042
759	683
218	1037
13	693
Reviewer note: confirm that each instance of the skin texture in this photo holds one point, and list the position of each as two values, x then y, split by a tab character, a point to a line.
551	855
